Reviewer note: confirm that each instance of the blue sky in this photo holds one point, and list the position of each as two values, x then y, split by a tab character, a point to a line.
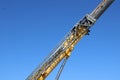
30	29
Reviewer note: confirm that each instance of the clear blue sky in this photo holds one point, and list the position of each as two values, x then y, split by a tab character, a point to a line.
30	29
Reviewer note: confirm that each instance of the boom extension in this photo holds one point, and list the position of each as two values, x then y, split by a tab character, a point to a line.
65	48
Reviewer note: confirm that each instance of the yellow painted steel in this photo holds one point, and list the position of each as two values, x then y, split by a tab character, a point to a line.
81	32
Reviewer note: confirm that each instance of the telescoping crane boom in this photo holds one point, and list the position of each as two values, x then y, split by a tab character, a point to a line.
64	49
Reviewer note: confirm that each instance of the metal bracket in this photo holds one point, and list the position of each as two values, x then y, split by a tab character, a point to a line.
87	21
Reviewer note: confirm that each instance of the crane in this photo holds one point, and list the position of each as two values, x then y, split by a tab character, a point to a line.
63	51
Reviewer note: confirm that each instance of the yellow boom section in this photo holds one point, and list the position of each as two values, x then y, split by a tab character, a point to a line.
81	32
